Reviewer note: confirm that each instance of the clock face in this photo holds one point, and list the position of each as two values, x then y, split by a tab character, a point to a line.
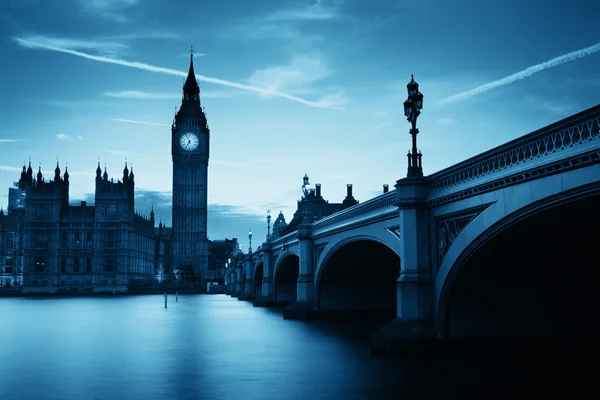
189	141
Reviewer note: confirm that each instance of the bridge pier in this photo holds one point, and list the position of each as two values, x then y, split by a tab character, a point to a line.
248	289
247	294
237	289
414	322
266	299
303	307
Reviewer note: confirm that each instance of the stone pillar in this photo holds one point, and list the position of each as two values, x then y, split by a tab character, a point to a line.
414	284
414	290
248	293
266	298
238	282
226	282
304	307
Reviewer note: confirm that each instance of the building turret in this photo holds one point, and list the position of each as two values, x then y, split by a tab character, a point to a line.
66	175
152	215
125	173
30	172
57	172
39	174
279	225
131	176
105	175
26	178
98	172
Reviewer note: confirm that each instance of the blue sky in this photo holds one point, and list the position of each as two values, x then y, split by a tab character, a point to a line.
289	86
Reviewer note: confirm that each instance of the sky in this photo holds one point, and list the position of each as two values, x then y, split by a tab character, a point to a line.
289	86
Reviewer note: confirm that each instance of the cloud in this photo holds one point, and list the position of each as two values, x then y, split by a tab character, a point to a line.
136	94
187	55
154	34
319	11
107	48
446	121
111	9
404	4
108	4
8	168
125	153
138	122
379	127
141	95
68	138
561	106
147	67
223	220
565	58
300	72
381	113
10	140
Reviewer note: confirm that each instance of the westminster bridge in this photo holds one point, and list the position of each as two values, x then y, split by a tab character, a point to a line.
499	245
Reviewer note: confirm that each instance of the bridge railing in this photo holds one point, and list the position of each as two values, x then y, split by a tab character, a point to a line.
561	136
380	202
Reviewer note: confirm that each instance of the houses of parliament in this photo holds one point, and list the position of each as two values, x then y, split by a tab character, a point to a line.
49	245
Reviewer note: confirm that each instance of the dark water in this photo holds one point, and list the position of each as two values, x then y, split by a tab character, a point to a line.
215	347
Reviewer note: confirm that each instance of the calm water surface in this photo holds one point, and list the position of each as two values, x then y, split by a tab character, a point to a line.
211	347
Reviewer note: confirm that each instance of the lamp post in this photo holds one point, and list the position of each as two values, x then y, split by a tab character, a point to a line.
412	109
268	225
250	242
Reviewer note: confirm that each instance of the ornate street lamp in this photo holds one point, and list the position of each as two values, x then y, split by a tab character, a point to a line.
412	109
268	225
250	242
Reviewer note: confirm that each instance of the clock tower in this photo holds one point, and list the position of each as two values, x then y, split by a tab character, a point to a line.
190	150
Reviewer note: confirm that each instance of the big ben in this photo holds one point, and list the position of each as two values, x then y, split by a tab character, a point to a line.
190	150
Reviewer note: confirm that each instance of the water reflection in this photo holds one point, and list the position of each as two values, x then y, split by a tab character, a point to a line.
208	347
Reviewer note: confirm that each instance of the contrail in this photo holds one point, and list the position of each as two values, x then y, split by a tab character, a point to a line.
147	67
139	122
565	58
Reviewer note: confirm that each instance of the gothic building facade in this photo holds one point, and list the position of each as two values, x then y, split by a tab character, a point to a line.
63	247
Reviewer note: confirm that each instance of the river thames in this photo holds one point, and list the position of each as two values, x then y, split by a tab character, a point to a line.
214	347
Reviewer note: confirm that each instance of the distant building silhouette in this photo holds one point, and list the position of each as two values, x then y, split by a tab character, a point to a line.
12	233
311	207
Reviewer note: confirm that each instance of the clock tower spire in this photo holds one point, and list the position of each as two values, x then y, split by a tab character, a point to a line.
191	90
190	152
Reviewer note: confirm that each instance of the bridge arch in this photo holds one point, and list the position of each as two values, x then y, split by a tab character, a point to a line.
285	278
257	280
510	273
382	236
358	275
